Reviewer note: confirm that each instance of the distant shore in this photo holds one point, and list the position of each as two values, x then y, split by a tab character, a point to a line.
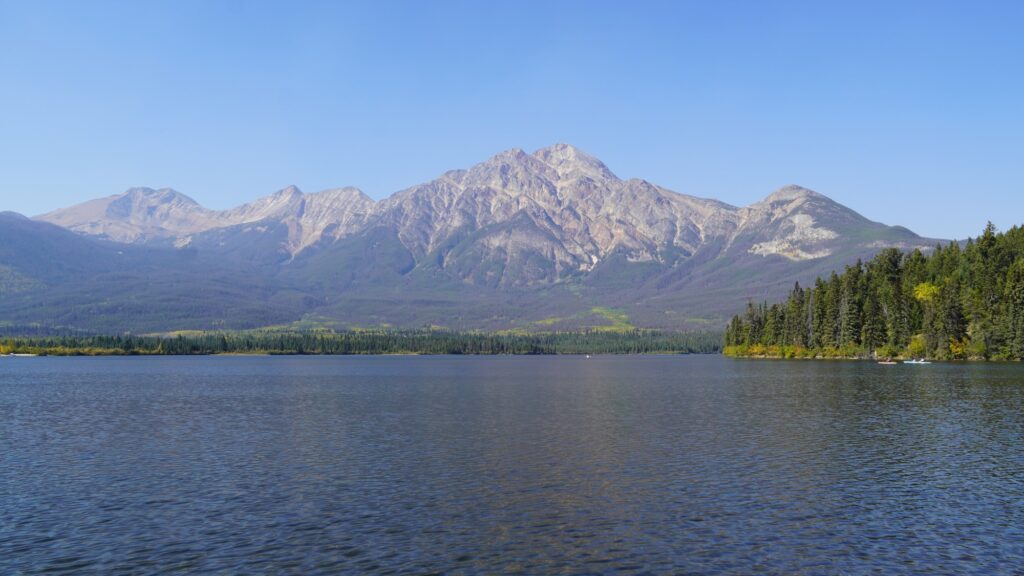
794	353
382	342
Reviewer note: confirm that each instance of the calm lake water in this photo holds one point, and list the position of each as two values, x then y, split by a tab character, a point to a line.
509	464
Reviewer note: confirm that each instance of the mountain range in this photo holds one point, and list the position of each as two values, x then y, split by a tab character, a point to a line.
542	241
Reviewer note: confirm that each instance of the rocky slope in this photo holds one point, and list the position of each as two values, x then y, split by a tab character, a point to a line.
558	204
520	238
142	215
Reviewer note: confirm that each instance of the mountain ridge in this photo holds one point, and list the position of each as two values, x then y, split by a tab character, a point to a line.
534	182
517	239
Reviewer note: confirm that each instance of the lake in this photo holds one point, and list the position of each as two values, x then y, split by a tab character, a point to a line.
613	464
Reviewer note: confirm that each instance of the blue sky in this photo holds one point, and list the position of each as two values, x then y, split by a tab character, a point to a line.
910	112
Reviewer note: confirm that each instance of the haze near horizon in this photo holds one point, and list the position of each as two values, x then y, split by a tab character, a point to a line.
900	112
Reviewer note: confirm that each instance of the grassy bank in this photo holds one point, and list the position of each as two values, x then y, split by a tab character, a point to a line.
793	352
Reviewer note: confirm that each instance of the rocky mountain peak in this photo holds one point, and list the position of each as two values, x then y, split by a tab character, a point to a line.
513	171
158	194
571	162
793	199
285	202
290	191
513	157
149	197
148	200
138	214
792	192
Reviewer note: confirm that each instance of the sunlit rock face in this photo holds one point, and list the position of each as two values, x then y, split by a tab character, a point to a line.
517	219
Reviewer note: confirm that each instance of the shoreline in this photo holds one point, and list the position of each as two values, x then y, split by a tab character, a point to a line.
115	353
398	342
897	359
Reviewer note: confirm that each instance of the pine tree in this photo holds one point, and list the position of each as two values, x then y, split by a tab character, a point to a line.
1015	310
796	329
850	306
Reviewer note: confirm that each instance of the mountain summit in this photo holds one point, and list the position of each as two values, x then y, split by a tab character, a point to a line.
503	241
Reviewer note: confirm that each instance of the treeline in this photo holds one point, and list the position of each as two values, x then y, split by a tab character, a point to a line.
956	303
373	342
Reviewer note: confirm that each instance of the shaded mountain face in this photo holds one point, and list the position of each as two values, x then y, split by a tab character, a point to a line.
521	235
51	277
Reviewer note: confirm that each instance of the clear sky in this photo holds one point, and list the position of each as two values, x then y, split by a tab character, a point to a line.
910	112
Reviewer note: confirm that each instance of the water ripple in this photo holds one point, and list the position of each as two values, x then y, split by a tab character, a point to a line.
631	465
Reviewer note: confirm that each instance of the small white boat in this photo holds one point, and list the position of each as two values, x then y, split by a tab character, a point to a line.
922	361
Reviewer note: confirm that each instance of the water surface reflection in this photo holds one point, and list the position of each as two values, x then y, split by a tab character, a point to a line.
499	464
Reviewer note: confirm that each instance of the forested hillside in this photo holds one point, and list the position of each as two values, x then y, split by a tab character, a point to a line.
956	303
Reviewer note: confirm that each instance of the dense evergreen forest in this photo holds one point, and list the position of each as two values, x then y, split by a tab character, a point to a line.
372	342
956	303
